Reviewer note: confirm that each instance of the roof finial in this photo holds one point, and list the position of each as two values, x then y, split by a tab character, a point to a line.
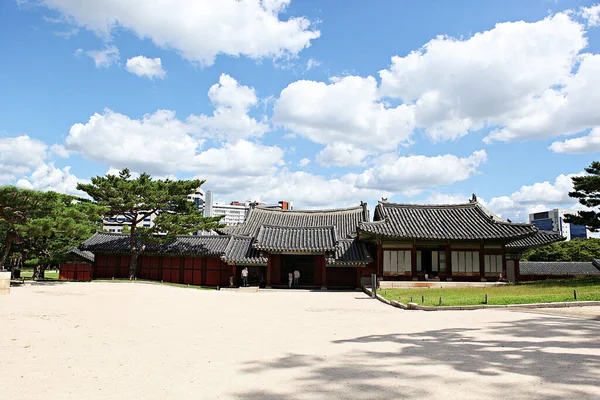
384	199
473	199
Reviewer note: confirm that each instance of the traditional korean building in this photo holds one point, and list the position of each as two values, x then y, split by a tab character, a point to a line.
78	266
447	242
321	244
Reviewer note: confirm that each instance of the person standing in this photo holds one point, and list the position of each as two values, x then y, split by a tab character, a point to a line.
290	278
297	278
245	276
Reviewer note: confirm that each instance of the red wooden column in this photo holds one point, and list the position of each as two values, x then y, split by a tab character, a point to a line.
482	262
448	261
203	271
323	273
413	261
358	276
504	261
268	285
234	269
380	260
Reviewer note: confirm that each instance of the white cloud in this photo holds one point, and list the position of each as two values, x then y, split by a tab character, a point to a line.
59	150
489	79
585	144
230	120
410	175
348	110
144	66
199	30
533	198
47	177
103	58
444	198
157	143
19	155
303	162
311	63
591	15
341	155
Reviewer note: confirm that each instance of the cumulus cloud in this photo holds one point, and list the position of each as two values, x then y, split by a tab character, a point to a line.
47	177
147	67
411	174
230	120
198	30
346	110
341	155
303	162
585	144
103	58
311	63
19	155
591	15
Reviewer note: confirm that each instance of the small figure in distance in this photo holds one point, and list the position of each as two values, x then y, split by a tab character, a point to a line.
245	277
290	278
297	278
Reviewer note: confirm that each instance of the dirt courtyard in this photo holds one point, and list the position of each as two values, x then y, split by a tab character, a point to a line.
142	341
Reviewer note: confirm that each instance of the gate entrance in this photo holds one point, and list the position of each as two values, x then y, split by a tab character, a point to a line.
304	264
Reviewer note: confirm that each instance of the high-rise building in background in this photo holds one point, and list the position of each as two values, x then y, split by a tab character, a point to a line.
553	220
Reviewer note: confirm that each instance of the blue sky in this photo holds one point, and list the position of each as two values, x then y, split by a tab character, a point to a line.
320	103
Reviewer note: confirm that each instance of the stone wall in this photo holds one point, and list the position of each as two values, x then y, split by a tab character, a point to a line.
4	283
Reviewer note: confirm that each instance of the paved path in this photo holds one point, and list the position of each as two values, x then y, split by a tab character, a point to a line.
133	340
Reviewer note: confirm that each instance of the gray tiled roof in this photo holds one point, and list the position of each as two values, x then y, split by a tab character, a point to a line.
296	238
350	252
558	268
118	243
541	238
454	222
87	255
240	251
345	220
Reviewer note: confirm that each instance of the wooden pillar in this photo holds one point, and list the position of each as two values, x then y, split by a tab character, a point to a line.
448	262
203	271
358	276
413	261
234	269
323	273
503	261
482	262
182	270
268	281
379	265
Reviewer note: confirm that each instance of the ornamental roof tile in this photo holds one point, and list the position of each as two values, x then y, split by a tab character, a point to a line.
87	255
350	252
240	251
452	222
118	243
558	268
541	238
345	220
295	238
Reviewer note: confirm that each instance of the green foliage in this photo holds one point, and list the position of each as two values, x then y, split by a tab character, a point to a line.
43	226
574	250
587	191
142	197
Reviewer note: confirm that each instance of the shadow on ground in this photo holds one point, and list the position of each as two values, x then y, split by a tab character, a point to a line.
531	348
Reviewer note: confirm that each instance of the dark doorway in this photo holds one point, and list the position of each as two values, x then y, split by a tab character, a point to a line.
256	275
304	264
426	264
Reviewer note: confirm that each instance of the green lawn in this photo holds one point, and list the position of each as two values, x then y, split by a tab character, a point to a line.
27	273
529	292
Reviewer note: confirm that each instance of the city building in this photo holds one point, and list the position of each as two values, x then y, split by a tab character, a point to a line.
117	222
553	220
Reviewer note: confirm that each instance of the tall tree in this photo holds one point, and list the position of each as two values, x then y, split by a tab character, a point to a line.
136	199
17	207
47	240
587	191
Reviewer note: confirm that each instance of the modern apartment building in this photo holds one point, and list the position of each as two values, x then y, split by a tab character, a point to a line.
553	220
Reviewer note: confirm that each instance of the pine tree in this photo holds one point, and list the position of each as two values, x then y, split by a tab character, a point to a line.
587	191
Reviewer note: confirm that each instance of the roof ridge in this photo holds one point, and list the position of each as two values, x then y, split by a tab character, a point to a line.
265	208
177	236
296	227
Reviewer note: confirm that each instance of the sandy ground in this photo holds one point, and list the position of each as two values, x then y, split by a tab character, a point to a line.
126	341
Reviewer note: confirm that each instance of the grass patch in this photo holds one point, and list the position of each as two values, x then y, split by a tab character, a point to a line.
27	274
182	285
550	291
